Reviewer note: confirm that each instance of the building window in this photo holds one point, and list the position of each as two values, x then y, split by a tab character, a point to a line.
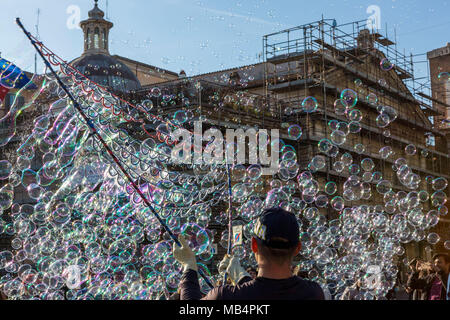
88	38
105	40
446	121
447	92
431	140
96	38
9	101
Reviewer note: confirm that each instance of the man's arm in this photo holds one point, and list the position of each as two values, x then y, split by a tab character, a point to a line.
320	294
189	286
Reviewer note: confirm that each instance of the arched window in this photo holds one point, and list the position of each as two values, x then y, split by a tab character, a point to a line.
96	38
88	38
105	40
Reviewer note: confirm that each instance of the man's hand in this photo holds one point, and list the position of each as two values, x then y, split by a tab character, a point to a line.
418	266
223	265
184	255
235	271
424	266
427	266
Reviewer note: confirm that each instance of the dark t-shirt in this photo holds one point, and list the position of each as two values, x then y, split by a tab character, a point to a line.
293	288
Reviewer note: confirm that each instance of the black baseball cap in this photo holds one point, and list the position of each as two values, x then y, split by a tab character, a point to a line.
277	228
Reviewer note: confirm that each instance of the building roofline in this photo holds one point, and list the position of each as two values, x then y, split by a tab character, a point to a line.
207	74
228	70
145	65
439	52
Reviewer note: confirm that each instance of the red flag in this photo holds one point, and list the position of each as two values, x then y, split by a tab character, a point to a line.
3	92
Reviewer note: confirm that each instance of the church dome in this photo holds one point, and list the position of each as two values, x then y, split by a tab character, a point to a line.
96	63
108	72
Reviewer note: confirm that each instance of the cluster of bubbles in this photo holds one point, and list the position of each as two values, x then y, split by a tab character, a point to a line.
86	225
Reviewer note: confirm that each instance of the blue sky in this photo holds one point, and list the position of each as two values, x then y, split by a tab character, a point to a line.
208	35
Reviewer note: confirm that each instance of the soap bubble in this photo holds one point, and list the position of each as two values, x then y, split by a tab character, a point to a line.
331	188
359	148
355	115
443	210
5	169
338	137
367	164
254	172
386	65
340	107
386	152
372	99
439	184
310	105
337	203
410	150
325	146
197	237
350	97
354	127
384	186
433	238
447	244
444	76
295	132
319	162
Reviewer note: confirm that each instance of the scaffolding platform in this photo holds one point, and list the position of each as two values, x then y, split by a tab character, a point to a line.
382	40
288	57
337	51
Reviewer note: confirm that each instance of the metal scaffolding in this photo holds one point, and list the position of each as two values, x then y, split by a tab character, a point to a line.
321	59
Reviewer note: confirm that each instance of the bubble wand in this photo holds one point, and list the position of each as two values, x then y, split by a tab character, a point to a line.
230	219
95	133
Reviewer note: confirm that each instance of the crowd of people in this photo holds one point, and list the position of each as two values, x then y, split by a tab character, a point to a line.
429	281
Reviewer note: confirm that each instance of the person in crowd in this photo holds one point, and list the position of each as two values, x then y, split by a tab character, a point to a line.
293	268
304	275
300	273
412	294
436	284
2	294
417	294
176	295
252	272
392	294
352	291
275	244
